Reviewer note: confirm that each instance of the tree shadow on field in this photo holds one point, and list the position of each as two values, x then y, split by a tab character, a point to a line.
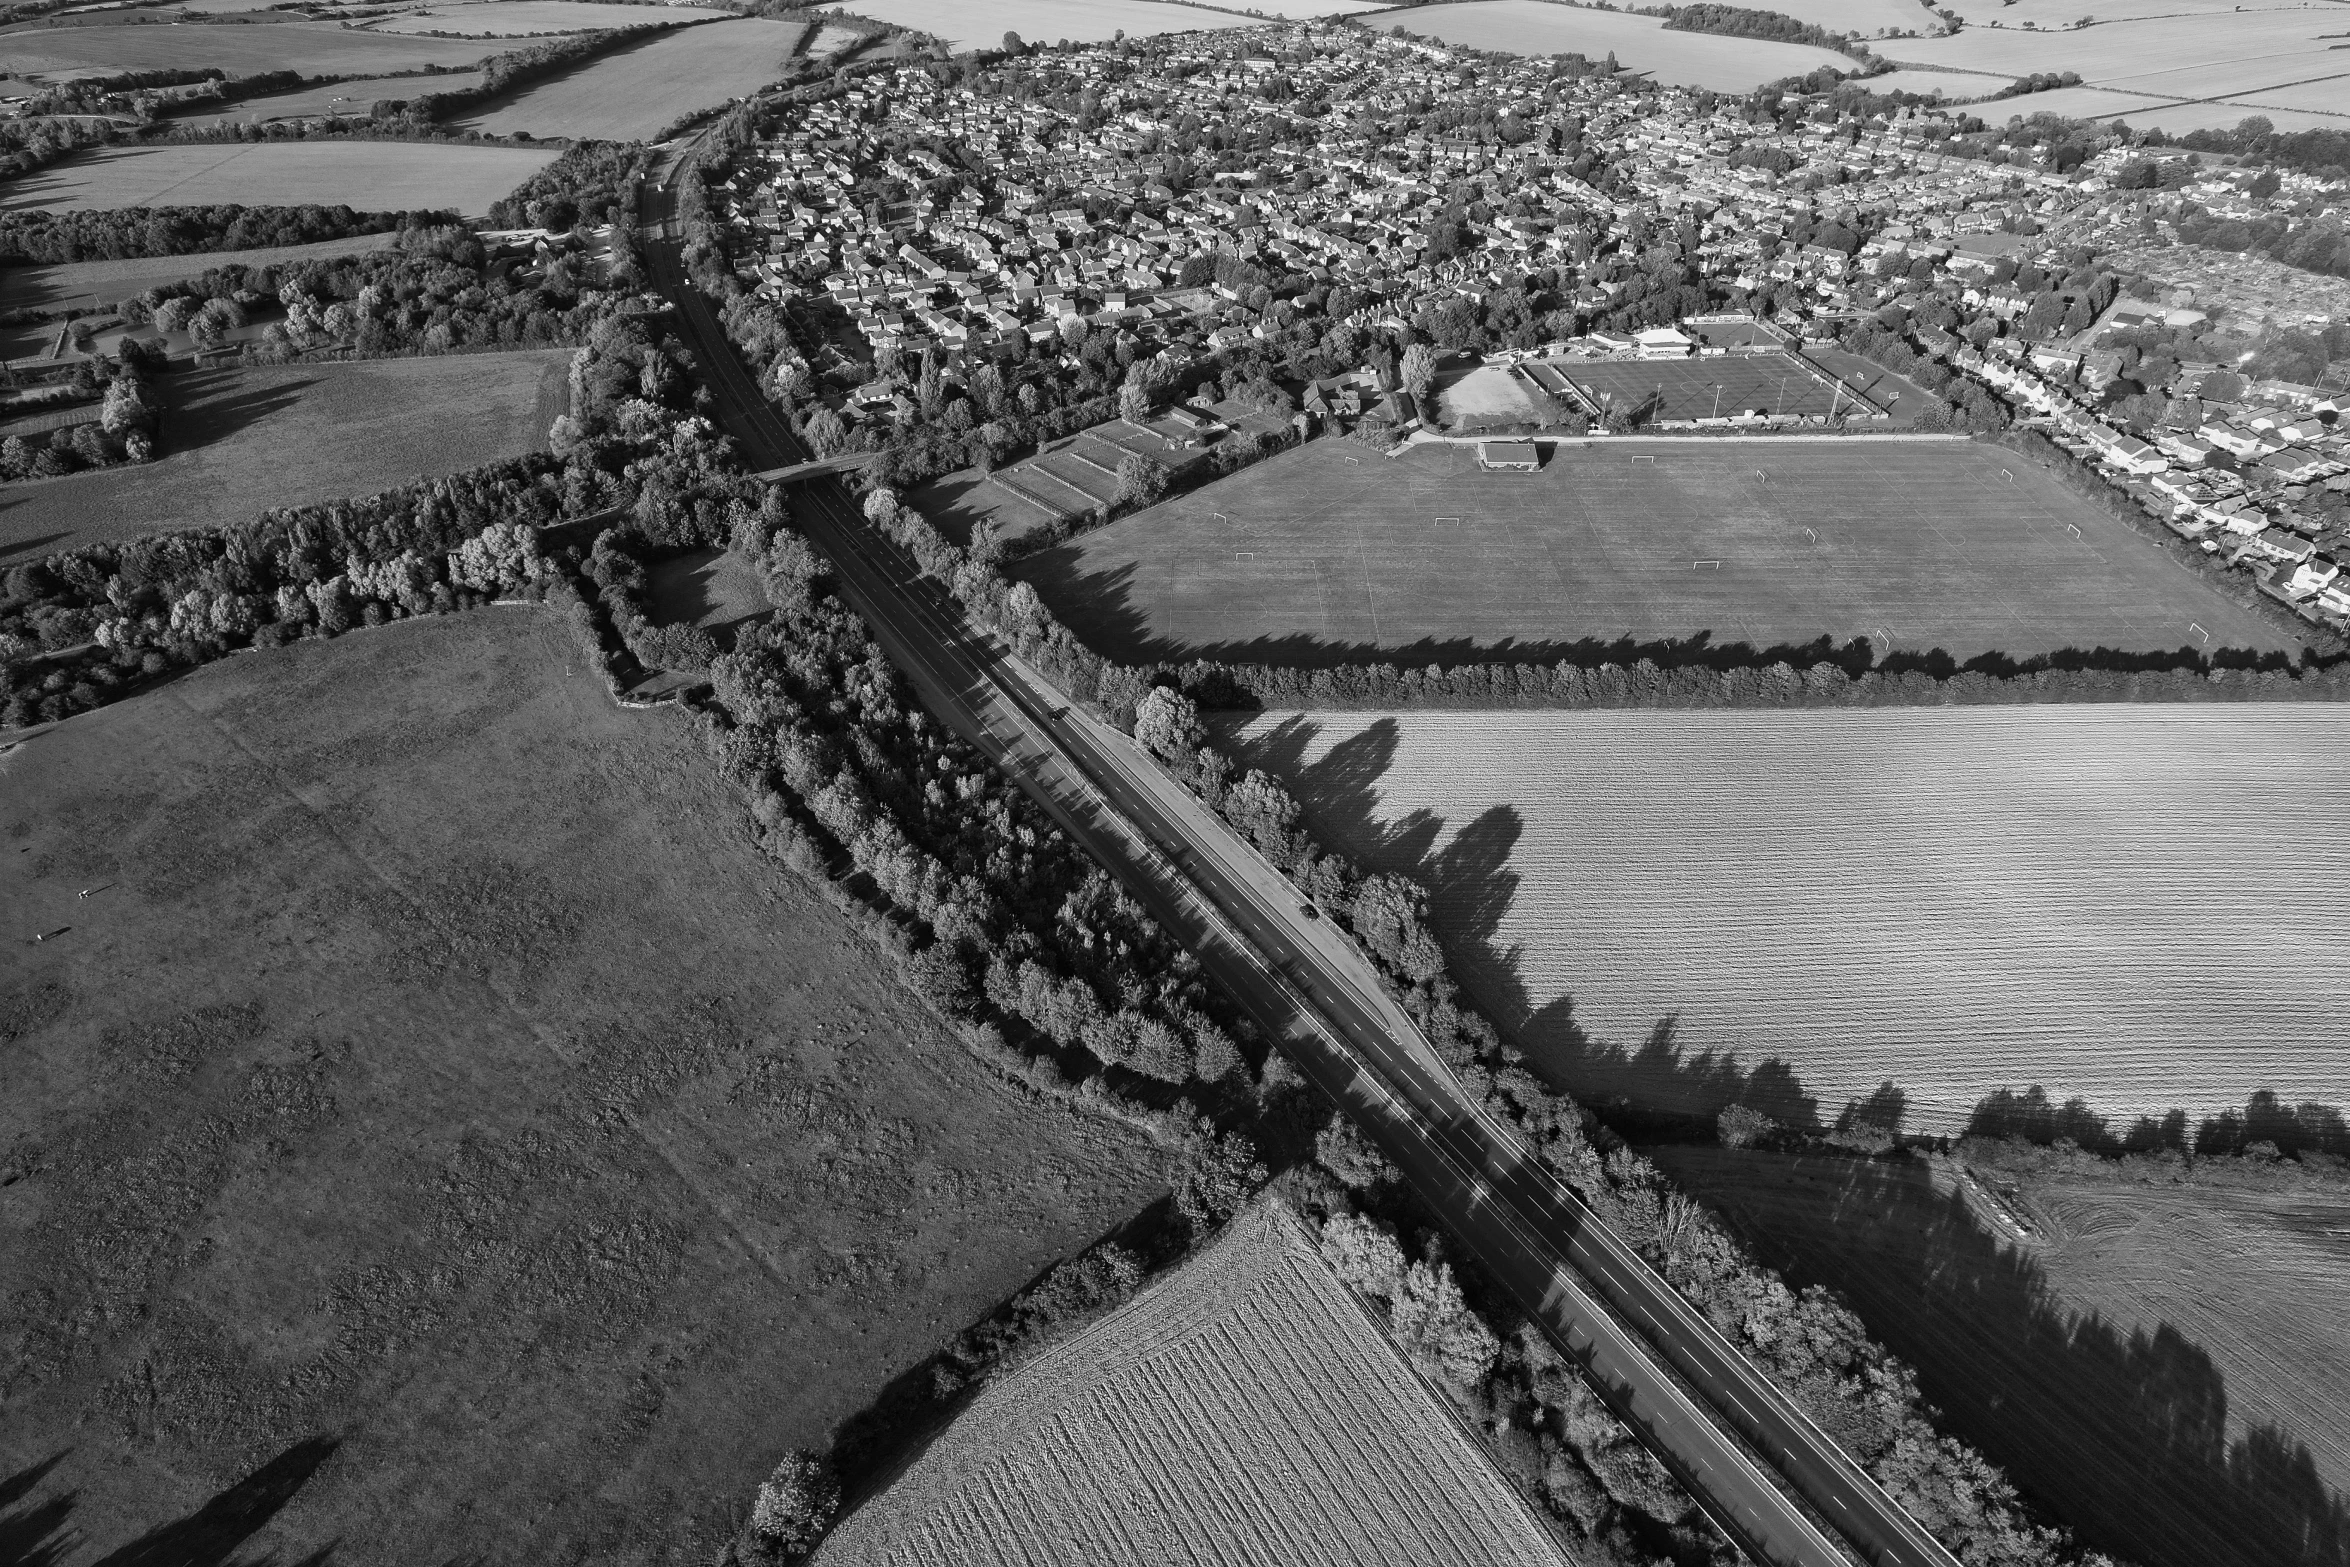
1657	1086
35	1535
209	1536
208	406
2121	1433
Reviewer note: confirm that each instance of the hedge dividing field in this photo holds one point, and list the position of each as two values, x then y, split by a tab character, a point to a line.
437	1082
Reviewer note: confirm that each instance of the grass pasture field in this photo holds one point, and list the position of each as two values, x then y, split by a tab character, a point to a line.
65	53
2163	1366
529	18
1332	553
347	98
438	1082
1684	910
369	176
110	282
1639	43
639	89
966	26
1246	1409
237	442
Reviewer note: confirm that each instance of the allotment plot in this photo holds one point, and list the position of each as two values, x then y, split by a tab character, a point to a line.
1952	900
1334	552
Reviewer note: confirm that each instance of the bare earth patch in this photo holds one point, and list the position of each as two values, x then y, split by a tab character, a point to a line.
437	1099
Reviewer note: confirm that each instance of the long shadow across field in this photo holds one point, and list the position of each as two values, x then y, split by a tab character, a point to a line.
1658	1082
1105	611
2121	1433
39	1533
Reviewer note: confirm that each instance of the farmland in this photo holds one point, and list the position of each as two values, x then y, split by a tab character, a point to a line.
2161	1364
34	288
1332	552
1080	21
1638	42
637	90
239	48
517	18
342	97
239	441
1246	1409
370	176
436	1071
2159	65
1792	907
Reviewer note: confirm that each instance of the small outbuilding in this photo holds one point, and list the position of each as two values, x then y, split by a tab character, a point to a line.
1508	456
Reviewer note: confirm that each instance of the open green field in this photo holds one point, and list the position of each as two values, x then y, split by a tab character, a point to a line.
2165	1367
1245	1409
1639	43
437	1081
237	442
369	176
1333	552
636	91
111	282
516	18
348	98
967	26
1685	910
241	48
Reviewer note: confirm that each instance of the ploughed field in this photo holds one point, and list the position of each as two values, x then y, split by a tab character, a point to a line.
437	1083
1332	553
639	89
2165	1366
1246	1409
367	176
1789	908
236	442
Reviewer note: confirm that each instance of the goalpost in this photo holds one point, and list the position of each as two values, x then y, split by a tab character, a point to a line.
1644	457
1448	522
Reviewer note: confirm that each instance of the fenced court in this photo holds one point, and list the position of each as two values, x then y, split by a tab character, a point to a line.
1309	558
1725	387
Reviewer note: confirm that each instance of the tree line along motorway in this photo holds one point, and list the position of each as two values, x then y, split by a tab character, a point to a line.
1658	1362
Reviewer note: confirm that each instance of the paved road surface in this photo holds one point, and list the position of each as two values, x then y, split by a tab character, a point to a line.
1306	983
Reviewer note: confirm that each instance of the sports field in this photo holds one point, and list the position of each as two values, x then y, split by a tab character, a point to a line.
1332	551
638	90
1722	388
239	48
370	176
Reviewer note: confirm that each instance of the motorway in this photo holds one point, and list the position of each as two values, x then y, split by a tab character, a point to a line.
1676	1381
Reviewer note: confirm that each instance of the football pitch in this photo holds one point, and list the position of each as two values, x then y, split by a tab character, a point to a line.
1334	552
1719	388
